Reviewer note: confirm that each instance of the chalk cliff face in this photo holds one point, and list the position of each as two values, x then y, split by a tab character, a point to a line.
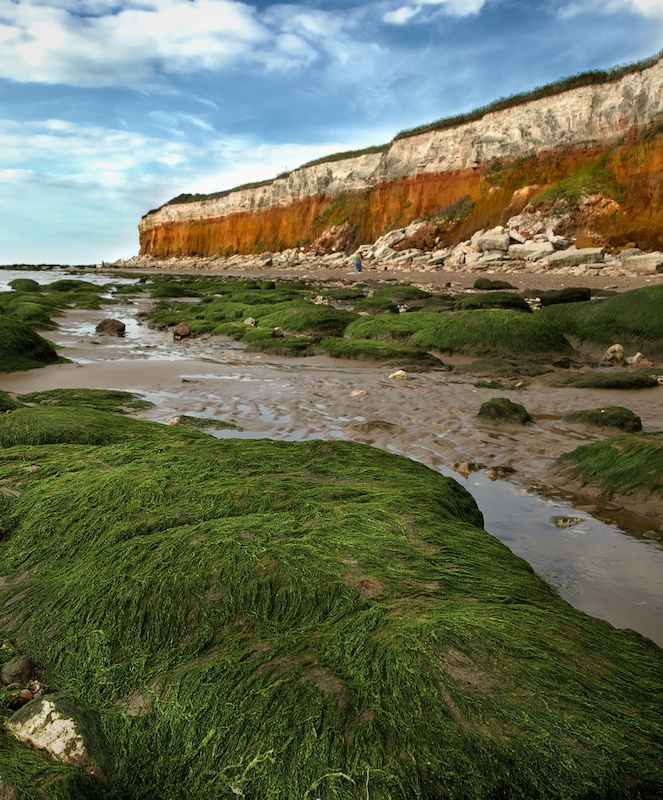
497	162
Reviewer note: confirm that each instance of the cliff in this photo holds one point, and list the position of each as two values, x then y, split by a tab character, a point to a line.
602	139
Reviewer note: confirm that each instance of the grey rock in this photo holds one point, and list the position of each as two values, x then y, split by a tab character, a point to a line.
495	239
111	327
572	257
651	262
68	730
531	251
17	671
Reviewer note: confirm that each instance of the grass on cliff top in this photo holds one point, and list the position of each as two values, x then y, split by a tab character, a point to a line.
623	465
633	319
482	332
610	417
305	620
593	78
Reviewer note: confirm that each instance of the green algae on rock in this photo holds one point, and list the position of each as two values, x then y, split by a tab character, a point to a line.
489	332
632	318
623	465
503	410
99	399
282	620
495	299
414	358
610	417
21	348
599	380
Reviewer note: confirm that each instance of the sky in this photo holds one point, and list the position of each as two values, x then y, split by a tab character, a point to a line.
109	108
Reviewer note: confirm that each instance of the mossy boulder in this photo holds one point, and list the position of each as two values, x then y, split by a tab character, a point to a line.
494	332
634	319
67	729
376	305
611	417
7	402
487	332
25	285
624	465
498	299
21	348
488	285
400	293
414	358
570	294
502	368
599	380
313	320
283	620
503	410
99	399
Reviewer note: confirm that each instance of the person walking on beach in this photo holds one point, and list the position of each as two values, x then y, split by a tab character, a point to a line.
357	262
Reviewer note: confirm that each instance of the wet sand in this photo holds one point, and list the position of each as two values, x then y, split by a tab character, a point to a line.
428	416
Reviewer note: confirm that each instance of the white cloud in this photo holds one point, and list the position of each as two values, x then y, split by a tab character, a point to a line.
57	150
96	43
456	8
401	15
647	8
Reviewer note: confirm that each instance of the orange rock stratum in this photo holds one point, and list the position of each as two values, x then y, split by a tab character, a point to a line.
596	149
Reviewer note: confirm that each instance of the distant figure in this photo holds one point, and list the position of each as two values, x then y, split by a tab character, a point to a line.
357	262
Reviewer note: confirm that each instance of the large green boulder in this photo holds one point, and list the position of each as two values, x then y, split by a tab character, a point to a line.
634	319
624	465
278	620
22	348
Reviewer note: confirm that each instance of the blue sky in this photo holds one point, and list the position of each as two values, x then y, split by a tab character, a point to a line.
109	108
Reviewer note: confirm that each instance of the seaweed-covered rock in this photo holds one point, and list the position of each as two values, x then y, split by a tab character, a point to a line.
486	284
501	409
376	305
7	402
66	729
611	417
510	300
284	620
99	399
18	670
570	294
22	348
416	359
487	332
599	380
624	465
633	318
502	368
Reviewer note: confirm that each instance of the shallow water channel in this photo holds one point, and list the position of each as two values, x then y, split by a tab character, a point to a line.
606	570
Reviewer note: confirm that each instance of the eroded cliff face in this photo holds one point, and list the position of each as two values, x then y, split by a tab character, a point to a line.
467	177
